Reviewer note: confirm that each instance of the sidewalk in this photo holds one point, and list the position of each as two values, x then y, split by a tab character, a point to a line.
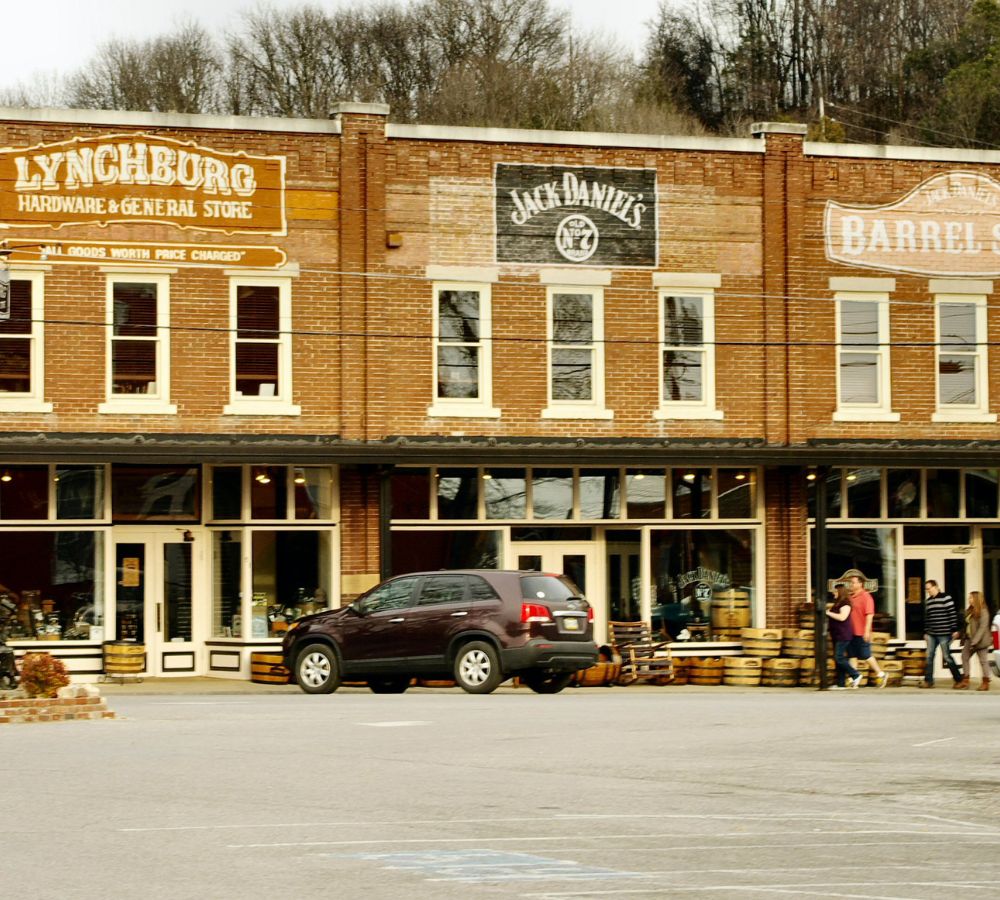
190	685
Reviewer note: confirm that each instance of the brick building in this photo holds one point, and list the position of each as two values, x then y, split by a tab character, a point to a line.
249	366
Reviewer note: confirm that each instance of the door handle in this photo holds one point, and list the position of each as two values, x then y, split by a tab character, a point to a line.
458	615
159	624
396	621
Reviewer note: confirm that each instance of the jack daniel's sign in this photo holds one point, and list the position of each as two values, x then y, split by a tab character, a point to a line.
574	215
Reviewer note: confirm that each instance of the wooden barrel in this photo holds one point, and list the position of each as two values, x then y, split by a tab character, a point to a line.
682	668
880	644
807	616
730	609
780	673
705	671
807	672
798	643
742	670
124	658
764	642
267	668
913	661
727	634
892	667
598	675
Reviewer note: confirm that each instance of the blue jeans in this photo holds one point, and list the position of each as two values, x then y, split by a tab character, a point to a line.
944	642
843	660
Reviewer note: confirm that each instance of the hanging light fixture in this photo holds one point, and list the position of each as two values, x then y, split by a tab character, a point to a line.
299	477
6	477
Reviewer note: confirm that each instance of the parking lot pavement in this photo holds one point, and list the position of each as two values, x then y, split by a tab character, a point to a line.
601	792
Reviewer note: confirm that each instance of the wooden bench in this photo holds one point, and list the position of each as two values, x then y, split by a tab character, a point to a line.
643	659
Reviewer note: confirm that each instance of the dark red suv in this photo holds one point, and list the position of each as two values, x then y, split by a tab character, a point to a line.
477	626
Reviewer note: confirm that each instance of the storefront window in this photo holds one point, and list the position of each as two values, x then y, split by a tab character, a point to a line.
981	493
942	493
458	493
689	568
290	578
552	493
79	492
833	488
411	494
313	492
24	492
155	493
864	493
873	552
269	492
692	493
227	618
737	493
51	585
227	492
646	494
904	493
506	493
600	494
421	551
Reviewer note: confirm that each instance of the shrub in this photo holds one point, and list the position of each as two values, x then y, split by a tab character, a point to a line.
42	675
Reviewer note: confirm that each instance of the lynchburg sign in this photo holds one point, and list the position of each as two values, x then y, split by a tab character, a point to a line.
948	225
136	178
569	215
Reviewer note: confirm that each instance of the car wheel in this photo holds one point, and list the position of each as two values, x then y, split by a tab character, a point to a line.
547	682
316	670
477	668
391	684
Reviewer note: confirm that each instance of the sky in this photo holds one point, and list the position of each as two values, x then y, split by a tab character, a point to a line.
59	36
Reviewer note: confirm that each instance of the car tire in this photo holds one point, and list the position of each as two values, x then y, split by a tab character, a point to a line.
317	670
477	668
547	682
390	684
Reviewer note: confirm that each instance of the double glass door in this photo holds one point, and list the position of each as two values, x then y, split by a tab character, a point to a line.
952	568
155	574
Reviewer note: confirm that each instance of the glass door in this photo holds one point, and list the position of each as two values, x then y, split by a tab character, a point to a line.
578	562
950	567
155	574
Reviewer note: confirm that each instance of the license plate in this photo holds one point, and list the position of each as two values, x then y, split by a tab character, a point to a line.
571	624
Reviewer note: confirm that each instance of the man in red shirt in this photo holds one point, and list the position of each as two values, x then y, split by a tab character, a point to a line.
862	614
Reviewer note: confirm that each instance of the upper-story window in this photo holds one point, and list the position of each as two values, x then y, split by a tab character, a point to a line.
22	356
576	353
962	393
863	379
261	357
138	370
463	384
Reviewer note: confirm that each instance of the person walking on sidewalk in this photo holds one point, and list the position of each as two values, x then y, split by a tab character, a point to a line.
978	640
940	628
862	615
841	631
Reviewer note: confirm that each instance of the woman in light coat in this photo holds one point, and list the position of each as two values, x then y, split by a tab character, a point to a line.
978	640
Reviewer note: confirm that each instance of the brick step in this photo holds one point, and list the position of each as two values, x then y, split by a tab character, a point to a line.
55	709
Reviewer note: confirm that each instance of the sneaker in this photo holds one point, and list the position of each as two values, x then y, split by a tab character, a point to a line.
882	680
856	682
837	687
925	684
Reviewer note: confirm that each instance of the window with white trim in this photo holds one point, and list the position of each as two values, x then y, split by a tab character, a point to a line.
960	338
687	355
462	351
863	380
261	347
22	356
576	353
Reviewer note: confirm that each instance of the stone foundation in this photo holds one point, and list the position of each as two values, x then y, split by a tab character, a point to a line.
73	703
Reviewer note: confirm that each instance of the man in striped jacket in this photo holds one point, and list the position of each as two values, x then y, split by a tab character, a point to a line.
940	627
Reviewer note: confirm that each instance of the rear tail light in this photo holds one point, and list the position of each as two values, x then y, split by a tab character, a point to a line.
590	614
534	612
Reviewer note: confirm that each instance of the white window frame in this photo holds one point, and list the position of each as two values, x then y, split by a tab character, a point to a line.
480	407
281	404
157	402
32	401
963	412
594	408
881	411
689	409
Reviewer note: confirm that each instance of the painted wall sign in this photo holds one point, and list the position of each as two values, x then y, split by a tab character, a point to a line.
948	225
570	215
141	178
126	252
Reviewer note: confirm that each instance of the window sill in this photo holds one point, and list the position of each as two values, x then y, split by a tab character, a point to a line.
261	408
459	411
137	408
957	416
577	412
24	405
688	412
865	415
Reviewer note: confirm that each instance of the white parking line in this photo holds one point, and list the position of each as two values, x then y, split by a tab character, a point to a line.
809	889
936	741
392	724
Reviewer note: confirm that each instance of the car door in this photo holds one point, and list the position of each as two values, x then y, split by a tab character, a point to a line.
375	638
441	612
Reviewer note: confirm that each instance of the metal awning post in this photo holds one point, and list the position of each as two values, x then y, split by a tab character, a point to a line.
819	576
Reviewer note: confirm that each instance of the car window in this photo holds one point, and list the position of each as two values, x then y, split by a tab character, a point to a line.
481	589
396	594
442	589
548	587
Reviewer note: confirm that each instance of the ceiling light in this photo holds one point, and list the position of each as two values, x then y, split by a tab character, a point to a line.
6	477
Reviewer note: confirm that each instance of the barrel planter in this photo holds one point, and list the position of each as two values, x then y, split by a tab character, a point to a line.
892	667
124	659
601	674
880	644
807	616
780	673
705	671
730	609
268	668
807	672
798	643
742	671
762	642
913	661
682	669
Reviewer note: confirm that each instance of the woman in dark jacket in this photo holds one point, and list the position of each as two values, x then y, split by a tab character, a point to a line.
841	631
978	640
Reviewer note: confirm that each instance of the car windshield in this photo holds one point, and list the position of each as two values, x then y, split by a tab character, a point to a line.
548	587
